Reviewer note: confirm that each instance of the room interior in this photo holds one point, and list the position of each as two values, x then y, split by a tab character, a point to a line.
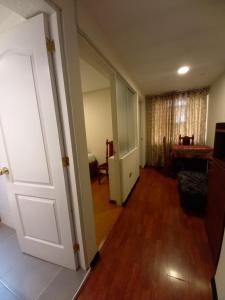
178	203
180	69
96	91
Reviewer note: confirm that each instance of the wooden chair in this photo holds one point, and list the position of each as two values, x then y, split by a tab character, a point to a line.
186	140
103	169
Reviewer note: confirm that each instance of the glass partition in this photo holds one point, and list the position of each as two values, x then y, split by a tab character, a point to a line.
126	117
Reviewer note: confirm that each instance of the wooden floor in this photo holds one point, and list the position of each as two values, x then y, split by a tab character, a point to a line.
105	213
155	251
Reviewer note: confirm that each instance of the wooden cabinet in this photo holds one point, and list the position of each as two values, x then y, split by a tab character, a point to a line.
215	211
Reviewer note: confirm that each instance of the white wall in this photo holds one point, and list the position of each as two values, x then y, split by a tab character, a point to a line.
5	208
8	19
93	32
98	121
129	172
216	111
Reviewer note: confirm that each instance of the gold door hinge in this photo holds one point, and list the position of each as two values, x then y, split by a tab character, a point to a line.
50	45
76	247
65	161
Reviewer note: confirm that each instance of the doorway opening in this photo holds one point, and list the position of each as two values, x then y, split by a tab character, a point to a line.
96	90
33	235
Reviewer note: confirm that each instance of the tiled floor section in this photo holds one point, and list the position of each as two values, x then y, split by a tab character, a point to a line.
28	278
105	213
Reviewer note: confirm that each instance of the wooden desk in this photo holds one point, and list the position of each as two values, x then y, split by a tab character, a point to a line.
191	151
190	158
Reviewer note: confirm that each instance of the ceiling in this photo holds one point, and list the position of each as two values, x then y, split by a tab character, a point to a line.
4	13
153	39
29	8
8	18
91	79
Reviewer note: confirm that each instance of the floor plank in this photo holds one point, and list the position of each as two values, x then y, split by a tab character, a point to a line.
155	250
105	213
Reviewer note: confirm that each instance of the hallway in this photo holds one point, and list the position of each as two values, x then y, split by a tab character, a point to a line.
155	250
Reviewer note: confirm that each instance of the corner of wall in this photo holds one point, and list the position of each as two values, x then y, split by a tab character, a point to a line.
216	108
93	32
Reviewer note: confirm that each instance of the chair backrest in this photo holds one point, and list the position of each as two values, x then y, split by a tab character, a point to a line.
109	149
186	140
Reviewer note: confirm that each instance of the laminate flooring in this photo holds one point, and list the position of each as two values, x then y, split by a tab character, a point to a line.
155	250
105	212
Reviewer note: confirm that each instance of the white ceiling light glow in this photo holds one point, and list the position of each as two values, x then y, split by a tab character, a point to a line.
183	70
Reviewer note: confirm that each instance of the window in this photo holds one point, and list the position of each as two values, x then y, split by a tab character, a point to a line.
171	115
180	108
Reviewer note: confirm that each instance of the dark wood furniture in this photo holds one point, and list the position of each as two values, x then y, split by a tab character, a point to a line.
215	211
190	158
103	169
93	169
192	151
192	187
186	140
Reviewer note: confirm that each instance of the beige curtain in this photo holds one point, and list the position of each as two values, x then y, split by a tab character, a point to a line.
173	114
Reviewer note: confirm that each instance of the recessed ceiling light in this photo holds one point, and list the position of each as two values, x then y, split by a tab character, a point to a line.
183	70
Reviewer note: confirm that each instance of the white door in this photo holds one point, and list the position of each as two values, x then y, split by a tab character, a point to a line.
31	144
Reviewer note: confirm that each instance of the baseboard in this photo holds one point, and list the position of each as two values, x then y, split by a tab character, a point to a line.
124	203
7	219
92	265
76	295
113	201
95	260
214	289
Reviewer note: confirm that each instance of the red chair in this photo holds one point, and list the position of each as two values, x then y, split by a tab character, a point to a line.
186	140
103	169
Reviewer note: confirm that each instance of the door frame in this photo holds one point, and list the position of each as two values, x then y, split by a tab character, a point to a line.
142	131
64	28
94	57
88	53
58	250
66	69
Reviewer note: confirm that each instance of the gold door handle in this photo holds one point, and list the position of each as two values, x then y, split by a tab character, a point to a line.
3	171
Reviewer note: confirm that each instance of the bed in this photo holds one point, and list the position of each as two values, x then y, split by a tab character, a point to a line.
93	165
